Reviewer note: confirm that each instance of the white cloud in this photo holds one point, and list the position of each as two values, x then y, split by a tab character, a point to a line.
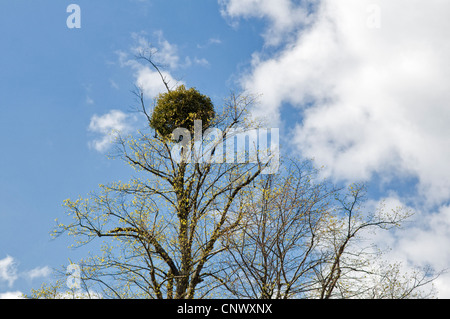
370	100
164	55
425	243
11	295
8	270
167	53
164	52
9	273
284	15
108	126
39	272
211	41
89	100
113	84
151	83
201	61
214	41
420	242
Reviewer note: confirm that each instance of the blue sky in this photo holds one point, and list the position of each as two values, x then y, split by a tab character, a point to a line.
361	86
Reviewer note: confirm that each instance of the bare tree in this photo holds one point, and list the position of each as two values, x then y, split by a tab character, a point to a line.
355	268
303	238
275	252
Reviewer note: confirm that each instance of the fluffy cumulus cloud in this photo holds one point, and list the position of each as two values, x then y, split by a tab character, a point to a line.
10	274
422	244
150	81
367	82
39	272
284	16
108	126
8	270
427	241
11	295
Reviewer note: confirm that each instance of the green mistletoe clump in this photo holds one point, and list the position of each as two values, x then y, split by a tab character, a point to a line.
179	109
